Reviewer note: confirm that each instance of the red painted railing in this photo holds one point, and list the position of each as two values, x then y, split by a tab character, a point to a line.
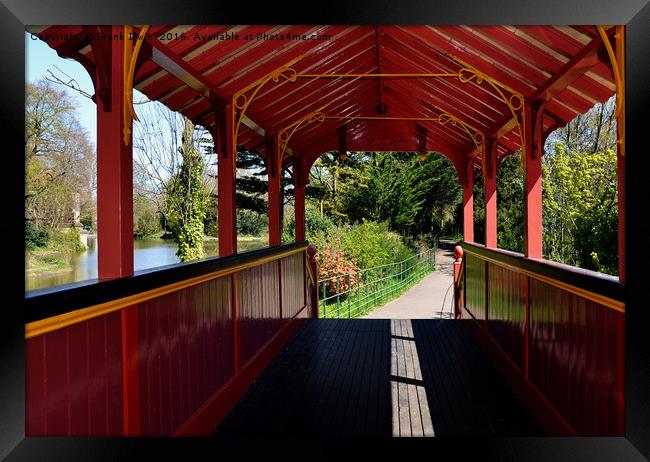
558	334
164	352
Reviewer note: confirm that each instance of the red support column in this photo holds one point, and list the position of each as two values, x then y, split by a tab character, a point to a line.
490	186
114	163
532	160
226	178
115	204
274	174
468	203
299	199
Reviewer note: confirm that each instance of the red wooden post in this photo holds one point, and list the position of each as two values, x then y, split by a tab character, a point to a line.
458	253
114	163
532	160
115	205
274	174
299	200
490	187
227	175
468	203
311	251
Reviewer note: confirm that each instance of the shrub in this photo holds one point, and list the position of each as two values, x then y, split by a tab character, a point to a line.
332	263
145	217
34	236
316	226
67	243
372	244
251	223
86	221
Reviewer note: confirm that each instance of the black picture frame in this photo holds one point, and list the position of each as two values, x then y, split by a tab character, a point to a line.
635	14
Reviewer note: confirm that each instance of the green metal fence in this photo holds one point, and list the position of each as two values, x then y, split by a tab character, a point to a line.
355	294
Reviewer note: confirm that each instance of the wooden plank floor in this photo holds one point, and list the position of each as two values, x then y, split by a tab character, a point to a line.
362	377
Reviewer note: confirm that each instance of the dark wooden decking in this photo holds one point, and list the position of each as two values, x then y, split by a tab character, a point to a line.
380	378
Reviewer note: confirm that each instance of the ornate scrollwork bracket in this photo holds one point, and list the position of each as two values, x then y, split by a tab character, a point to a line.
242	99
515	100
131	53
284	135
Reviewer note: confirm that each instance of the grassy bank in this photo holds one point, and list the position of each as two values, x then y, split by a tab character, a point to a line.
45	261
55	255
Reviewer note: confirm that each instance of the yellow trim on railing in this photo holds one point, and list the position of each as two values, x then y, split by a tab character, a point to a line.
589	295
53	323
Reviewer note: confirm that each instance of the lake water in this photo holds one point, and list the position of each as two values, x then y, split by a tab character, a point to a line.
147	253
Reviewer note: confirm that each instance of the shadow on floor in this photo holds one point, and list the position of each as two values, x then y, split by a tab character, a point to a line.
380	378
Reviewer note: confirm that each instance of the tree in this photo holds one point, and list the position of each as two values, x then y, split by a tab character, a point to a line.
510	204
414	196
589	133
59	158
580	209
185	199
329	174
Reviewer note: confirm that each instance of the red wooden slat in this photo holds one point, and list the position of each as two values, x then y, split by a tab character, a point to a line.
35	387
78	373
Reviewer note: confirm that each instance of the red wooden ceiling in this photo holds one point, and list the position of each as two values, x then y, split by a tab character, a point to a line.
521	57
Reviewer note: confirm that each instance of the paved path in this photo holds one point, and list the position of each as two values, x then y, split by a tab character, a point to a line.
425	299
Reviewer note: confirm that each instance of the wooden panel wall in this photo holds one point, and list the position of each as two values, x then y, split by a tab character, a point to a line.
182	345
565	345
475	286
74	380
259	308
507	310
293	285
185	353
577	358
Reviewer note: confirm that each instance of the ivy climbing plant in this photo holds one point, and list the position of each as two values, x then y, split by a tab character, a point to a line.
185	200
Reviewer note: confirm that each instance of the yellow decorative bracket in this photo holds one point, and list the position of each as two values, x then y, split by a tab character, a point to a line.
616	67
444	118
515	101
287	132
130	60
242	100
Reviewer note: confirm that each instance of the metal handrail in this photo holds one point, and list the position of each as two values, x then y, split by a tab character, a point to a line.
352	294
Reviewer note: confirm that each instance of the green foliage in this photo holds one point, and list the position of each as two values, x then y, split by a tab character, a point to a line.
35	237
59	158
86	221
479	209
510	204
315	225
146	220
66	242
185	201
372	244
580	209
411	195
210	222
250	223
366	245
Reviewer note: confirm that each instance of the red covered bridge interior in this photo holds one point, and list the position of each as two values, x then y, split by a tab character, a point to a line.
98	351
